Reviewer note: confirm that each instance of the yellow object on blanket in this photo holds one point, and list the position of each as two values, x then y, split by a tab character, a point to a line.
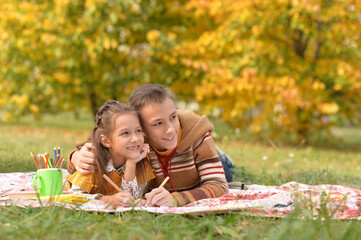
67	198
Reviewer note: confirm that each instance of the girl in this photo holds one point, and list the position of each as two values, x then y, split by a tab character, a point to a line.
119	150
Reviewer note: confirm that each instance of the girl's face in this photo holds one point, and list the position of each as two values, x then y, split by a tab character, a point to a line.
126	141
161	124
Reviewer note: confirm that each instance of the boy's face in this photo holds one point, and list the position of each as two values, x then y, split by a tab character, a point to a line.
161	124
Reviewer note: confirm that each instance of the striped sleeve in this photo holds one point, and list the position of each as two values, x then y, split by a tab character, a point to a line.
213	183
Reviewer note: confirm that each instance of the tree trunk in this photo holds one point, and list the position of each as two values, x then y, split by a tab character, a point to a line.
93	102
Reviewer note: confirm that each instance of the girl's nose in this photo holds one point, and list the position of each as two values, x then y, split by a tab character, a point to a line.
134	138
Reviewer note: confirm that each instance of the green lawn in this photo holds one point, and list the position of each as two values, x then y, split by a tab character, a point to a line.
334	162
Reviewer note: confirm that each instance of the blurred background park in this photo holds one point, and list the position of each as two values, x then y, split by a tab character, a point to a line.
280	80
279	72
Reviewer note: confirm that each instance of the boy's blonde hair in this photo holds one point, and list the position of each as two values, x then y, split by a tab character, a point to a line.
148	93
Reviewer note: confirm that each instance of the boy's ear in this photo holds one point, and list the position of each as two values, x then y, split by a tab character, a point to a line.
105	141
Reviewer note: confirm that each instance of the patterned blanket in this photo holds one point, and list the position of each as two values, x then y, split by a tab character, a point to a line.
338	202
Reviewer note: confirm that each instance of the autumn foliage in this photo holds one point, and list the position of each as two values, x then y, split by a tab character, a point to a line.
281	66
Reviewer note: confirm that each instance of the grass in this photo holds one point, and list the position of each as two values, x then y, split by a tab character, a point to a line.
256	163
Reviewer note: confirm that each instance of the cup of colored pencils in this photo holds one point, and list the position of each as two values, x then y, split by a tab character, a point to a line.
48	180
45	161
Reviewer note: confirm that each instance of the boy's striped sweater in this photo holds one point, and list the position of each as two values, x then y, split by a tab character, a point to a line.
196	172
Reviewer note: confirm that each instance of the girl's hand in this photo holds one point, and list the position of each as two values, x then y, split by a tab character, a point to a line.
119	199
143	153
161	197
130	168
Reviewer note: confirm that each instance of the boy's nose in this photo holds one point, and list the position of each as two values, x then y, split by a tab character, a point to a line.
170	129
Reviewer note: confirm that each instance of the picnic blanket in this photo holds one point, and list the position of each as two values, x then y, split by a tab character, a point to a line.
338	202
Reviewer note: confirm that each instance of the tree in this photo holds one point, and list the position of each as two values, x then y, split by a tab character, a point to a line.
283	66
59	55
279	66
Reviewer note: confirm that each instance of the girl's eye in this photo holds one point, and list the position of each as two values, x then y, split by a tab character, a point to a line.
173	117
124	133
157	124
139	130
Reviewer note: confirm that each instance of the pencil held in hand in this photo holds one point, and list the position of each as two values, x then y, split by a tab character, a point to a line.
164	181
112	183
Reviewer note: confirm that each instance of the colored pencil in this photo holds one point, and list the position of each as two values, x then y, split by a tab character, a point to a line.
55	154
62	162
50	163
35	160
112	183
164	181
41	162
44	160
59	162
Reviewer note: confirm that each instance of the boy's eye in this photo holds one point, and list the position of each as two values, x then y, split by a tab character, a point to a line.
173	117
157	124
124	133
139	130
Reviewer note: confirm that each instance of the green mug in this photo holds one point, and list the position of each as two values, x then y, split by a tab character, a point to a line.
50	182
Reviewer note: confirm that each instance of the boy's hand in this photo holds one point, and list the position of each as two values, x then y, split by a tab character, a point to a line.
84	159
161	197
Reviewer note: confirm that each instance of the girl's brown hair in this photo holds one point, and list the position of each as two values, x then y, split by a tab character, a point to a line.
104	125
148	93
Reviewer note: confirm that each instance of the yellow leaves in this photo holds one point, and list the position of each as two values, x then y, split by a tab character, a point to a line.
328	108
188	73
340	71
61	4
90	45
109	43
7	117
172	35
255	127
20	43
318	85
345	70
215	8
171	60
187	62
62	77
4	36
34	109
20	100
91	3
135	8
286	81
257	30
337	87
48	38
152	35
